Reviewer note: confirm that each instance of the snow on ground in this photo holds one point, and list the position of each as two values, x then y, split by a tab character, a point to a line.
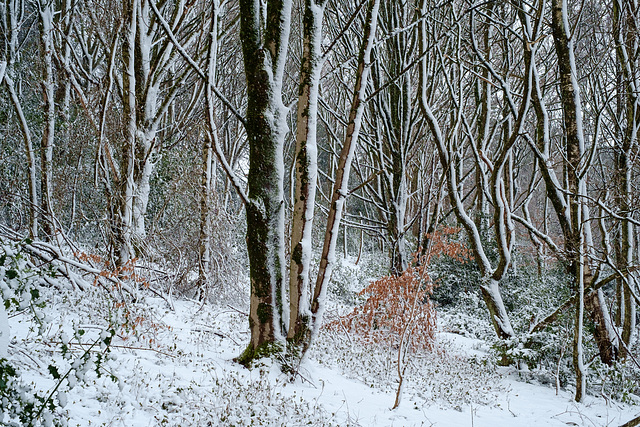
187	377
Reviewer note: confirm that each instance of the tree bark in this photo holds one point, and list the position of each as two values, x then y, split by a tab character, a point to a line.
306	174
264	48
340	185
48	133
625	34
574	136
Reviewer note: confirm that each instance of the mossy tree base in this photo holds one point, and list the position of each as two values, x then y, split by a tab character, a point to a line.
288	357
250	355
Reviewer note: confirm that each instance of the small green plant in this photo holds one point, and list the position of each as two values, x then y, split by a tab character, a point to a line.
22	286
621	381
20	290
21	403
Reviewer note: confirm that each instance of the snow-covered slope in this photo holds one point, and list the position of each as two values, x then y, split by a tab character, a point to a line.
186	376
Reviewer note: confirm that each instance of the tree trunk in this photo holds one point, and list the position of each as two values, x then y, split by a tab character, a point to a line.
31	160
48	91
264	48
340	186
125	187
574	136
306	173
626	37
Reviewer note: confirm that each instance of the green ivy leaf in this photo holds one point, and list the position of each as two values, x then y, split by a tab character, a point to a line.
12	274
54	372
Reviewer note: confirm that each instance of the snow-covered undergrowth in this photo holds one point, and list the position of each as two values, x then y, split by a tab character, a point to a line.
443	377
170	362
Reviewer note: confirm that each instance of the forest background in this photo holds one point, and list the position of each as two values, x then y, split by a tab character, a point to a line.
487	148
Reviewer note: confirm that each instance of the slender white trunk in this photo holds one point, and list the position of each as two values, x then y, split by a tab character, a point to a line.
578	355
31	160
306	173
48	86
124	239
207	182
340	186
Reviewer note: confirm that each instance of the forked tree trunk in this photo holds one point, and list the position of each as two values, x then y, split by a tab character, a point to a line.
123	222
450	163
393	109
567	201
148	58
306	306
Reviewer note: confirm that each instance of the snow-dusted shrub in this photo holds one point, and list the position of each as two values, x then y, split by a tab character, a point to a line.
61	356
530	295
238	399
454	275
347	280
456	293
468	317
370	363
172	246
536	348
619	382
261	402
20	405
21	293
19	284
438	377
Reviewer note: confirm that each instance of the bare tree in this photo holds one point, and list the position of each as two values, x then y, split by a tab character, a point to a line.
454	136
14	21
625	35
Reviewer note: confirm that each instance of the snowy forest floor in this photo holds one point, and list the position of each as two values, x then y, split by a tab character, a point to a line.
177	369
